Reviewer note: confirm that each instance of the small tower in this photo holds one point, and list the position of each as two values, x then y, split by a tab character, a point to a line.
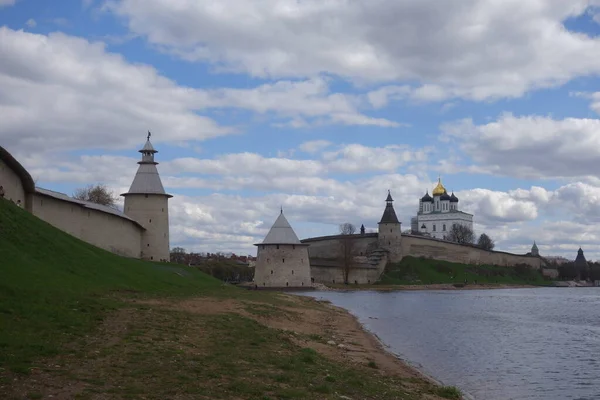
581	265
281	259
148	203
390	231
362	229
534	250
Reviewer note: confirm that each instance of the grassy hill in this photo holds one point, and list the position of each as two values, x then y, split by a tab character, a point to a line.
79	322
418	271
54	286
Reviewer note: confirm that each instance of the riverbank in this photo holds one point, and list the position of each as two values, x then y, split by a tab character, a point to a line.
437	286
231	345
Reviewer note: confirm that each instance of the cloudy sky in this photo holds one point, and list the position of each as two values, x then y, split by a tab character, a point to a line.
320	106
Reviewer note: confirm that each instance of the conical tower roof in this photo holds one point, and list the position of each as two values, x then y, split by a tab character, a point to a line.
147	180
281	233
389	214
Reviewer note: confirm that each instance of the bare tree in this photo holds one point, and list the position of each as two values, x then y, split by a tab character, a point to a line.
347	229
347	241
98	194
485	242
461	234
178	255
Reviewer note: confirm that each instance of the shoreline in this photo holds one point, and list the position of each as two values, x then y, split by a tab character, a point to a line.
386	350
361	344
434	286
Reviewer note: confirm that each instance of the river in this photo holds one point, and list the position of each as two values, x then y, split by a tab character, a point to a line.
506	344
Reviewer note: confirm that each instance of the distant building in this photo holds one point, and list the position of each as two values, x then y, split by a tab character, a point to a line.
438	213
534	250
581	265
282	260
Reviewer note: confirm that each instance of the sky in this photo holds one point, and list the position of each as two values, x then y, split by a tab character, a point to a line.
316	106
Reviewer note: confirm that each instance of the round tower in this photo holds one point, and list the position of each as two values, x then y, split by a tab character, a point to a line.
282	260
148	203
390	231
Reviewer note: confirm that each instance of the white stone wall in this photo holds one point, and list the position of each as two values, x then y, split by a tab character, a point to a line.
13	188
439	220
107	231
152	212
283	265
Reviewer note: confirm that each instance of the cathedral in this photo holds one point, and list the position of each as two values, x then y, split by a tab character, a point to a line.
437	213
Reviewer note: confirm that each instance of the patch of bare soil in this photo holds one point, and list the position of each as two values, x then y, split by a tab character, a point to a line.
135	347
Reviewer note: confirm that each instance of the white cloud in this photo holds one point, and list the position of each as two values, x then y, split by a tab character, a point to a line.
79	95
6	3
31	23
478	49
530	146
314	146
59	92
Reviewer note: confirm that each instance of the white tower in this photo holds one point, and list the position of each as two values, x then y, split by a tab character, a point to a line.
282	260
148	203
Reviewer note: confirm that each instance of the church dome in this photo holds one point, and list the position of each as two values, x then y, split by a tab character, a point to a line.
439	189
453	198
427	198
445	196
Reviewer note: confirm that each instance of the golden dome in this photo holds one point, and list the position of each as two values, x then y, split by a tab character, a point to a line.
439	189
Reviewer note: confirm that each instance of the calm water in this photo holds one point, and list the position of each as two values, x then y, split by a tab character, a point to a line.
493	344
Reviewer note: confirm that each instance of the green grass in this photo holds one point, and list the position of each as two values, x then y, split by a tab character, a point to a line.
54	287
420	271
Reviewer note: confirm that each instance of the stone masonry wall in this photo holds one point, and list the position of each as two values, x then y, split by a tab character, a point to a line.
328	247
152	212
418	246
13	188
107	231
282	266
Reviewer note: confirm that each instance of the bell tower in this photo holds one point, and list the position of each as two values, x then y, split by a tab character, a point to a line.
148	203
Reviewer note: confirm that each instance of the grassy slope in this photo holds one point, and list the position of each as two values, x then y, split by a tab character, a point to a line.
67	319
412	270
54	285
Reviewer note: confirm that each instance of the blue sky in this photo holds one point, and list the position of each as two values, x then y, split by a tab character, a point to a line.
317	106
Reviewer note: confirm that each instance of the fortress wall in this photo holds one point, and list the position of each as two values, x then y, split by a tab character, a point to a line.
11	181
328	247
282	265
104	230
441	250
326	274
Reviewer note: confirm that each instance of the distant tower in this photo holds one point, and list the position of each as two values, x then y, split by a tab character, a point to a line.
581	265
148	203
534	250
390	231
362	229
282	260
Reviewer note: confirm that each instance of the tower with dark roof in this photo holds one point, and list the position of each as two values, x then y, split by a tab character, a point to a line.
390	231
281	259
148	203
534	250
581	265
